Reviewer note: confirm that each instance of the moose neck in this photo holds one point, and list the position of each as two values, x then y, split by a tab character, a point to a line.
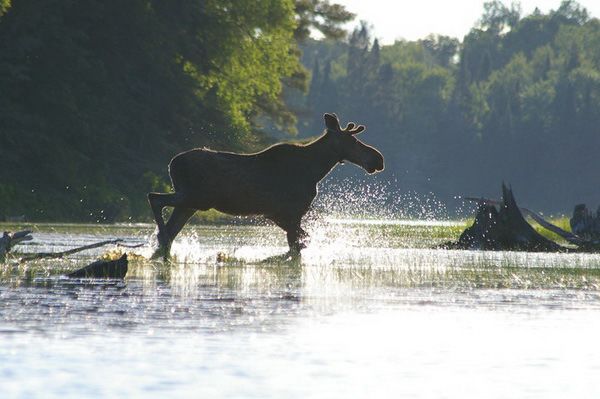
323	157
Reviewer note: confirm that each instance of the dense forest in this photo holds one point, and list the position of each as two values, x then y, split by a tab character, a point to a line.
97	95
518	99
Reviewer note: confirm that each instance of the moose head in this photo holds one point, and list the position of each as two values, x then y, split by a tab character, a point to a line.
349	148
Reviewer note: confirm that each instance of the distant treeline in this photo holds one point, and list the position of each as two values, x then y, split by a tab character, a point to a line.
97	95
517	100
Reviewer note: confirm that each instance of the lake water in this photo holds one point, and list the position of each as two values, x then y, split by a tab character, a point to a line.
369	311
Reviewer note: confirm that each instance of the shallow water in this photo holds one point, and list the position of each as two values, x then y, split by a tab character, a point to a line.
369	311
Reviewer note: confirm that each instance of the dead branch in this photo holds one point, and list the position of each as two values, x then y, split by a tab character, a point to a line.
9	240
56	255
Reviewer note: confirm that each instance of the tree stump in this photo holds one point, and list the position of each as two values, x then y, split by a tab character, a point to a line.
503	229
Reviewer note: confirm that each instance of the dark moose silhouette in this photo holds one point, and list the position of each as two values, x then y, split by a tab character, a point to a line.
279	182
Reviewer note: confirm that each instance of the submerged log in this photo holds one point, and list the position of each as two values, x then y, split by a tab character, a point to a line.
503	229
116	269
61	254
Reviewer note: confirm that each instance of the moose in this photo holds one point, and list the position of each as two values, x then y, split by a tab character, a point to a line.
278	183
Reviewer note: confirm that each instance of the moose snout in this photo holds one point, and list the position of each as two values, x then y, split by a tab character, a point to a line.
377	164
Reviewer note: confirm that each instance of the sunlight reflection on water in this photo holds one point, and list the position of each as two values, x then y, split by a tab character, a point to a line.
365	313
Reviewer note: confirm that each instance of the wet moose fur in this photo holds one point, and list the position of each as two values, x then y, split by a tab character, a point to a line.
279	183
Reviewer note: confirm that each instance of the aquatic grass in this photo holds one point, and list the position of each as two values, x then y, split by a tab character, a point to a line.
473	278
408	234
445	232
562	222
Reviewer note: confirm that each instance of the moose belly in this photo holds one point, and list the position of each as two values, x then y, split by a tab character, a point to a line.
255	202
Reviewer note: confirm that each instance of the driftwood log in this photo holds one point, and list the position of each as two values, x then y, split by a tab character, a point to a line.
103	269
584	243
9	240
500	225
116	269
61	254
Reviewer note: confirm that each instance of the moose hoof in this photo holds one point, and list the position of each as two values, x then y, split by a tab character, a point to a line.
286	258
293	256
161	253
164	248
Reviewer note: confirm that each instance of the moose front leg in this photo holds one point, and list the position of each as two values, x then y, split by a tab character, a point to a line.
297	239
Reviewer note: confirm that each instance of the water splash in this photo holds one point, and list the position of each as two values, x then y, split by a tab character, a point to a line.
359	198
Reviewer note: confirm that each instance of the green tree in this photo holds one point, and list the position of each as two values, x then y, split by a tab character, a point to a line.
442	49
4	5
93	94
320	15
497	16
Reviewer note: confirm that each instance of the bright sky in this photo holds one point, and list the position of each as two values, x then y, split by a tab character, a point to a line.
415	19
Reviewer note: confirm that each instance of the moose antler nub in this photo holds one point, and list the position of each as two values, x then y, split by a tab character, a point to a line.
333	125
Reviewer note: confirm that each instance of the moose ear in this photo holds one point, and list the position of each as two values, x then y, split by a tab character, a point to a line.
332	122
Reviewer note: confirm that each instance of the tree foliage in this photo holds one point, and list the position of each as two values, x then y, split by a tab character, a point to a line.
321	15
97	95
518	100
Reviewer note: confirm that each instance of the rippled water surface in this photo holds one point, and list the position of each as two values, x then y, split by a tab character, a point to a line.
370	311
